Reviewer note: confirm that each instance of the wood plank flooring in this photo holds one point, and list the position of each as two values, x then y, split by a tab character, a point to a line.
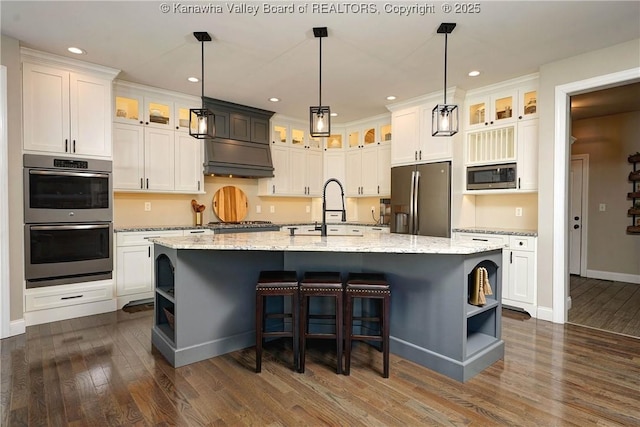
604	304
102	371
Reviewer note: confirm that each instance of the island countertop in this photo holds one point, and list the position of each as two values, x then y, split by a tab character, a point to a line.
371	243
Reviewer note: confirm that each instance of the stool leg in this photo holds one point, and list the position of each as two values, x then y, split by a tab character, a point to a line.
303	330
259	320
385	335
295	330
348	322
339	331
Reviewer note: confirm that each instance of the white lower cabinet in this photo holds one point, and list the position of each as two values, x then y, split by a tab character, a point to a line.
134	272
519	282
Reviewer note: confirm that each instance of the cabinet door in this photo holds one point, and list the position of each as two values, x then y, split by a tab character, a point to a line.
128	157
90	109
134	274
239	127
369	171
298	171
405	125
158	159
353	173
188	163
384	170
279	184
314	172
334	167
528	155
181	115
432	148
222	124
521	284
45	109
158	113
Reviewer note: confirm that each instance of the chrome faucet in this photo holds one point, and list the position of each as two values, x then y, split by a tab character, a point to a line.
323	227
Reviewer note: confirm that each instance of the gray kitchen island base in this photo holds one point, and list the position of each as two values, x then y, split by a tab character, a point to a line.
212	296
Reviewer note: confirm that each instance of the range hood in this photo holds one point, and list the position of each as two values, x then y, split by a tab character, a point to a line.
241	146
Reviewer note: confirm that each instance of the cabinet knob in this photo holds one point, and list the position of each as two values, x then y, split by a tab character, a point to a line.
520	117
576	226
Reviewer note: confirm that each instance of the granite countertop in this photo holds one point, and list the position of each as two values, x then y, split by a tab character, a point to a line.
232	226
376	243
505	231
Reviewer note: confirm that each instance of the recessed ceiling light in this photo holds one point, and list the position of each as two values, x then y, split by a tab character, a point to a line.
474	73
333	114
274	99
193	79
390	98
76	50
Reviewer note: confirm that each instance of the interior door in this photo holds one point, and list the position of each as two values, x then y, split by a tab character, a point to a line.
575	216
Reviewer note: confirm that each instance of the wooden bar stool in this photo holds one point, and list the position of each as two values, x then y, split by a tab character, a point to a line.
321	284
276	284
367	286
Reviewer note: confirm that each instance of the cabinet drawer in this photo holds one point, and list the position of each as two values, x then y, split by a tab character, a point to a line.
132	238
378	230
479	237
522	243
336	230
334	216
355	231
198	232
41	299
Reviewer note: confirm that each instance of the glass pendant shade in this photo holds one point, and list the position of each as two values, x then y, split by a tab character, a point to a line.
202	123
444	120
320	120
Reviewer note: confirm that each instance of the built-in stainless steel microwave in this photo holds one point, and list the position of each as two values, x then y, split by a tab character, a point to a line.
491	177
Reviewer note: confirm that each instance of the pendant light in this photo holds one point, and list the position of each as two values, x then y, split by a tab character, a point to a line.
445	116
202	122
320	115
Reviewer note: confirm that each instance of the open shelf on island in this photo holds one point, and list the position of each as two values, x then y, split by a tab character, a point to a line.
472	310
167	292
478	341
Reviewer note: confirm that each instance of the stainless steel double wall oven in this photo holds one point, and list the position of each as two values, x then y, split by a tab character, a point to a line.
68	215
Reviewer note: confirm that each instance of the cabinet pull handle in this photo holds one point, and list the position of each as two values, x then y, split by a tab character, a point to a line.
196	232
147	183
74	145
415	155
511	258
141	183
198	185
72	297
378	189
273	190
518	183
480	240
66	145
149	252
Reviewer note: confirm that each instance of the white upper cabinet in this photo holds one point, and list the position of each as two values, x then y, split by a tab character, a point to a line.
153	151
66	106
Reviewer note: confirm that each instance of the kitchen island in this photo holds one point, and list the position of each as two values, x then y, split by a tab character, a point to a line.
207	286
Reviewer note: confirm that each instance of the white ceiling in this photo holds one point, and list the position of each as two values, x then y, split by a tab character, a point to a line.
366	57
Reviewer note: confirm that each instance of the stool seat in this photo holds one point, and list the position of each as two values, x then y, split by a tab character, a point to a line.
321	284
276	283
367	286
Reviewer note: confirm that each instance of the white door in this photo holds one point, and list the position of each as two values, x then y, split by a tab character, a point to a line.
575	216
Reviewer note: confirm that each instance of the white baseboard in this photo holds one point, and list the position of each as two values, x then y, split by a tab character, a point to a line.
16	327
616	277
38	317
545	313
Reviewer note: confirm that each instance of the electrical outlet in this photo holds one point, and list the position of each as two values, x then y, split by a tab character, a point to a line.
272	209
373	209
258	209
147	206
308	209
518	211
603	207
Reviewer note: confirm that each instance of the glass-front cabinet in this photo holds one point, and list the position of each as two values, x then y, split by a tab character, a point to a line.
353	138
280	133
181	113
135	108
503	107
528	102
334	142
293	135
297	137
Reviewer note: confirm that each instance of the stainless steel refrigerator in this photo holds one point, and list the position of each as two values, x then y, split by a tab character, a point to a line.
421	199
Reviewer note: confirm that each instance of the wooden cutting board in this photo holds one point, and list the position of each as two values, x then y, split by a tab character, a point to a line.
230	204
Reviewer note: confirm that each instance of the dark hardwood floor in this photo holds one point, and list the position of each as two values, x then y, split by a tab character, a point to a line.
604	304
101	371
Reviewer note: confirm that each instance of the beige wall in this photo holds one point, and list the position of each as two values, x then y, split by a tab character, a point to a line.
592	64
499	211
175	209
609	141
10	57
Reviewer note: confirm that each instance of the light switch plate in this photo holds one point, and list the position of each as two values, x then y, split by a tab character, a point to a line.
147	206
258	209
308	209
272	209
518	211
603	207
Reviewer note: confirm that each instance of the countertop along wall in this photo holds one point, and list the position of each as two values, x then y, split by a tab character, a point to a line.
175	209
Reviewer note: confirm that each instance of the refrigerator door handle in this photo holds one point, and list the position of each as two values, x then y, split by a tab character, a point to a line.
416	191
412	202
